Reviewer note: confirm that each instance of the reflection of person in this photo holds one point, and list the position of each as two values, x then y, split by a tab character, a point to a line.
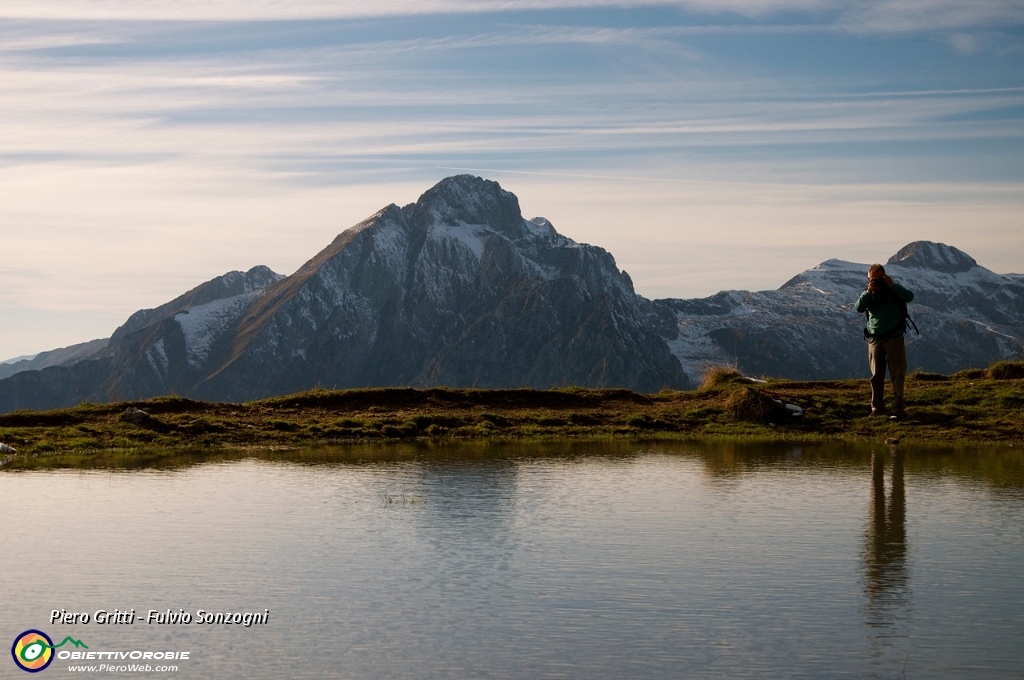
885	556
885	304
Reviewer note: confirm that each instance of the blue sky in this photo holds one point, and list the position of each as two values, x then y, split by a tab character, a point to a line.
147	146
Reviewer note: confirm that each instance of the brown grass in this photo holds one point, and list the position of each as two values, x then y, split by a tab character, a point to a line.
751	405
716	376
1006	370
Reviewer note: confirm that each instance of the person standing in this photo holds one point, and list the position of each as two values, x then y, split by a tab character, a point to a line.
885	302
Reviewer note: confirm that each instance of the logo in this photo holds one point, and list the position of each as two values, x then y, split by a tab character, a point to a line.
33	650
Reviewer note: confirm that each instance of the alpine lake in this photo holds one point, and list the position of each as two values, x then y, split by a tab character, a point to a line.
570	559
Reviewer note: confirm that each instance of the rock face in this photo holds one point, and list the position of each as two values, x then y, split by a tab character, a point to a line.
456	289
807	329
459	289
934	256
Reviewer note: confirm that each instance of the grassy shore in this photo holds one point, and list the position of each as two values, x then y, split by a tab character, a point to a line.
983	406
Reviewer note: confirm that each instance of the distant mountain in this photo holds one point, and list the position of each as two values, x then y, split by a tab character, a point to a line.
223	287
459	289
23	357
807	329
456	289
94	371
55	357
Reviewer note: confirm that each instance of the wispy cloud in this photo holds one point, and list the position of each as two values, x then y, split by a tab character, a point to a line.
162	153
245	10
382	97
883	16
892	16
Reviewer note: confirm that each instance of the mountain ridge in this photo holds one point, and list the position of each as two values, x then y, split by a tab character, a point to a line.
968	316
459	289
456	288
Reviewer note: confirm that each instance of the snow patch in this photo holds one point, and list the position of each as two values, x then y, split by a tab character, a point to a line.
156	355
471	236
203	324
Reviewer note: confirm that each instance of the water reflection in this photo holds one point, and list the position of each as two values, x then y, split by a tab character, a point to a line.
468	519
886	582
557	560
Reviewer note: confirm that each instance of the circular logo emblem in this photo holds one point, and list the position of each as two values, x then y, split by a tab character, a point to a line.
32	651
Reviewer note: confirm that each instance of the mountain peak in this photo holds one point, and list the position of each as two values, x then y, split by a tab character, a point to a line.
227	285
936	256
467	199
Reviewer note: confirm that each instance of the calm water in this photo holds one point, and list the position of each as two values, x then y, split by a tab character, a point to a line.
581	561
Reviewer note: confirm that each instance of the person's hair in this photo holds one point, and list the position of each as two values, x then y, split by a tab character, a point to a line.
876	271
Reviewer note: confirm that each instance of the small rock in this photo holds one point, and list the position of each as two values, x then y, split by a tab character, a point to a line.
134	416
4	448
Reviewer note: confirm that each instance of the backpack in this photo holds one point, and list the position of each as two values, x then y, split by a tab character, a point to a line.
908	323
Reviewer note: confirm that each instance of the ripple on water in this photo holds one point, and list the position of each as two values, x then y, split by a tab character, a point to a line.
592	561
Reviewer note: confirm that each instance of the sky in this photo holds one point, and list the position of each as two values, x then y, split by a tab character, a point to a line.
147	146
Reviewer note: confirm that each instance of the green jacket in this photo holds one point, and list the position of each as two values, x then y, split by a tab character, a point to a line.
885	313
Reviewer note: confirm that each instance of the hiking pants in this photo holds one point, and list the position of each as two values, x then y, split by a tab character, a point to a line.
891	353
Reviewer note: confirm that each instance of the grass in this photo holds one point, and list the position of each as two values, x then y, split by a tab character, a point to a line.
971	406
754	405
1006	370
716	376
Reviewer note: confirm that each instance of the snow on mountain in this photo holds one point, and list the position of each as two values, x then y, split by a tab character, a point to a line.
455	289
222	287
144	356
201	325
807	329
459	289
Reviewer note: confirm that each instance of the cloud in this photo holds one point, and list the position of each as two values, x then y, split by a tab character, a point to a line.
160	154
257	10
885	16
897	16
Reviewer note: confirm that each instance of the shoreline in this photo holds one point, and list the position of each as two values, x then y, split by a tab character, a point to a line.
967	408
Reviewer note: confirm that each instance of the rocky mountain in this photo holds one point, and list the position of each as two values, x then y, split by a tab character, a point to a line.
96	370
456	289
54	357
968	316
227	286
459	289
